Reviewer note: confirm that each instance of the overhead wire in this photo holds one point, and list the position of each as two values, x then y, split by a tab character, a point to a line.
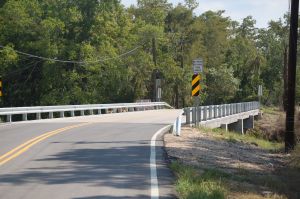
30	65
72	61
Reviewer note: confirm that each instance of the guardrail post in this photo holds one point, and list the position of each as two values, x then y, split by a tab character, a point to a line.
210	109
82	113
199	116
194	115
223	110
8	118
72	113
24	117
62	114
215	111
204	113
187	115
91	112
99	111
219	111
50	115
38	116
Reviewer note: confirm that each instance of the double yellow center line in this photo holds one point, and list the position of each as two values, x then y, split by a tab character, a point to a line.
27	145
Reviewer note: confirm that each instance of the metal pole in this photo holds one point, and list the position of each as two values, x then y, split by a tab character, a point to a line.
290	141
196	110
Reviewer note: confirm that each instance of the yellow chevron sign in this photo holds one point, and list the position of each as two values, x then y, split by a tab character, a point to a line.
196	85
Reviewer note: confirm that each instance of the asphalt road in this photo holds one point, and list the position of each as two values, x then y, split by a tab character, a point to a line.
106	156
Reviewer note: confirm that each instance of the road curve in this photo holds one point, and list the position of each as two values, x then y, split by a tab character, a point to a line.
106	156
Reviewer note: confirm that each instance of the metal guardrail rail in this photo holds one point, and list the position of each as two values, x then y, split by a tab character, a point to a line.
204	113
91	108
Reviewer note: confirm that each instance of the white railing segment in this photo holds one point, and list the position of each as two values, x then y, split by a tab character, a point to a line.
204	113
38	110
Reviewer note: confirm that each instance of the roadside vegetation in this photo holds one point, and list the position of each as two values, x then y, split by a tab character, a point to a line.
252	139
202	176
118	51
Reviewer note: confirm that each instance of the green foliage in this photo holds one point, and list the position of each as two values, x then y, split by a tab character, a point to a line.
237	57
191	185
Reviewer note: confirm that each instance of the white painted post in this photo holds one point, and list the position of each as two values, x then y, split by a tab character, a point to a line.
38	116
194	115
62	114
178	125
50	115
204	113
9	118
199	114
215	111
82	112
210	113
24	117
72	113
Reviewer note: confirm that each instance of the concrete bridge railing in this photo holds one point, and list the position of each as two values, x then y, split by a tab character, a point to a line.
88	109
235	117
205	113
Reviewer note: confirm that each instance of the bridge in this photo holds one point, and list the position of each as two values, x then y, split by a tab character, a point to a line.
98	151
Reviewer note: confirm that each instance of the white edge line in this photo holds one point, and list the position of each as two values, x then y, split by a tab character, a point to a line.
153	172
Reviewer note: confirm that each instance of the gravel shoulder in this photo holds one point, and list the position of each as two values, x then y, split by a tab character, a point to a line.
203	150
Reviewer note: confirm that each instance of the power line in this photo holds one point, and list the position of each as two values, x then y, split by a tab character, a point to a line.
74	62
30	65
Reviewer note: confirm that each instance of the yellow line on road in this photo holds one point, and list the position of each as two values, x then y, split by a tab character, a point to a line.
27	145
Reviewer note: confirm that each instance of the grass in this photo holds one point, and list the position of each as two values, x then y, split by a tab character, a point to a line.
246	138
193	185
216	184
270	110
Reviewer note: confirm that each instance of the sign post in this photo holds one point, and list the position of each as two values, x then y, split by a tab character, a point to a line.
196	87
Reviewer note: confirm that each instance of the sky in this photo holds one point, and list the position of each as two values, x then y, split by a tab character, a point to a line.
262	10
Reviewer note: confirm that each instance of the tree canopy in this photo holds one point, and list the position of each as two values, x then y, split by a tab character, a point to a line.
109	53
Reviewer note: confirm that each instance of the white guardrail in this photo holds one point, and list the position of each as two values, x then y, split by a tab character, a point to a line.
204	113
72	109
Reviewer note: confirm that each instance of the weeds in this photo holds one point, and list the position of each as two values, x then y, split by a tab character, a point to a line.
234	137
192	185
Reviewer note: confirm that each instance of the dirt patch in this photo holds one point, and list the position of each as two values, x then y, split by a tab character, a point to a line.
200	149
253	172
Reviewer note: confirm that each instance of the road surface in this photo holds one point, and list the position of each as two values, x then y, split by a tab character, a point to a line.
106	156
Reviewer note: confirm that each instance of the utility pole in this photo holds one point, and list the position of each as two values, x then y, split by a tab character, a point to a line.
290	141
